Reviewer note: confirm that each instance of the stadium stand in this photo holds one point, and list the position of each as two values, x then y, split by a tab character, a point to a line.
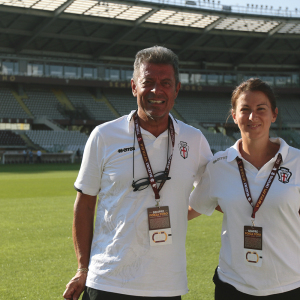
296	136
198	107
9	106
9	138
237	135
54	141
82	100
42	102
82	83
218	141
206	108
289	109
121	100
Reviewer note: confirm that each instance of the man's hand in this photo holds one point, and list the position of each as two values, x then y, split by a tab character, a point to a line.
75	287
84	210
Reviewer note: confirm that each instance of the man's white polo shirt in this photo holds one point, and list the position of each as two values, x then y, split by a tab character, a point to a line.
122	260
278	216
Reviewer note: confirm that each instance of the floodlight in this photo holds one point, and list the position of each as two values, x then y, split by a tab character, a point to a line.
189	2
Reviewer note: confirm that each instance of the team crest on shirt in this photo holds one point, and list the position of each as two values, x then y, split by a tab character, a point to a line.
284	175
183	149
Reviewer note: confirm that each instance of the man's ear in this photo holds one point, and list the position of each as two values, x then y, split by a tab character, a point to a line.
177	89
133	88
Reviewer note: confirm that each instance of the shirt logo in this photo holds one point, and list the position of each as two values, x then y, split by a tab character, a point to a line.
220	158
183	149
284	175
126	149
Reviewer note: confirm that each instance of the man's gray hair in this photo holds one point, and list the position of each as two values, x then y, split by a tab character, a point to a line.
156	55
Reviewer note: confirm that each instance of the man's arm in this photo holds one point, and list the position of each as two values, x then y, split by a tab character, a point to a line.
83	223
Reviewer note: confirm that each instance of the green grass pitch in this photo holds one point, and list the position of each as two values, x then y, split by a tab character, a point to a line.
37	257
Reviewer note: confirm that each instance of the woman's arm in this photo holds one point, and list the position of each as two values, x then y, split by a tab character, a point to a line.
192	214
218	208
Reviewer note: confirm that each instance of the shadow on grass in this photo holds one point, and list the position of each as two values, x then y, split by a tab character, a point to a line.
38	168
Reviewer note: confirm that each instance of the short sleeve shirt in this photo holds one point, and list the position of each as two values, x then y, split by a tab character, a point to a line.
278	216
122	260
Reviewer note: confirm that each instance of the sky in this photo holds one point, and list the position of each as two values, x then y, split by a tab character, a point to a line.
291	4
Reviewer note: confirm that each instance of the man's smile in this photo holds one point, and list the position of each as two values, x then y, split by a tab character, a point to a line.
156	101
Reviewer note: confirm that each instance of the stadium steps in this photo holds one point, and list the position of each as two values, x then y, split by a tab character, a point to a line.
290	136
44	120
28	142
22	104
198	126
108	104
63	99
177	115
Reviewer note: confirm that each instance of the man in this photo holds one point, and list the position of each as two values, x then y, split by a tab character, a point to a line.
25	154
134	163
39	156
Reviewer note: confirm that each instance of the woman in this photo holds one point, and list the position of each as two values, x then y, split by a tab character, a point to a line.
256	183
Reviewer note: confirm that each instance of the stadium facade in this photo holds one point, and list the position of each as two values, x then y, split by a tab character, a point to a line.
66	64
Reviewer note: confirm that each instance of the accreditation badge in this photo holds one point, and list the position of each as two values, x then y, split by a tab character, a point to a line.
159	226
253	246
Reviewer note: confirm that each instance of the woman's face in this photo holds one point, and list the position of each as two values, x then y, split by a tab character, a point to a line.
254	115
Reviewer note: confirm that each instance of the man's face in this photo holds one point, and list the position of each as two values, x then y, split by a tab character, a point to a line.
155	90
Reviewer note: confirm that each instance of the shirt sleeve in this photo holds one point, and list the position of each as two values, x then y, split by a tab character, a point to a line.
89	177
201	199
205	156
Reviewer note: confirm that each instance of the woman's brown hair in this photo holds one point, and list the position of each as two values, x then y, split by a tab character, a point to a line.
253	84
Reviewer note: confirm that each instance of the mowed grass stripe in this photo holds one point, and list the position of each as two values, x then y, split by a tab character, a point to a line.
37	256
36	209
202	249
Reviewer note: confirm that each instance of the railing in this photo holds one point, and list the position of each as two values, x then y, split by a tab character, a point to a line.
250	9
206	78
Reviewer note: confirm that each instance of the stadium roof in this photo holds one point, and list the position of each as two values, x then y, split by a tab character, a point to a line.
208	36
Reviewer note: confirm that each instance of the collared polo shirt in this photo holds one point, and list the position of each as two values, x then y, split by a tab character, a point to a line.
122	260
278	216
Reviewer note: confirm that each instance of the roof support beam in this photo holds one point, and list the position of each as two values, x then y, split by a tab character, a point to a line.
14	21
2	24
124	33
258	45
192	42
63	57
285	59
138	44
40	29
